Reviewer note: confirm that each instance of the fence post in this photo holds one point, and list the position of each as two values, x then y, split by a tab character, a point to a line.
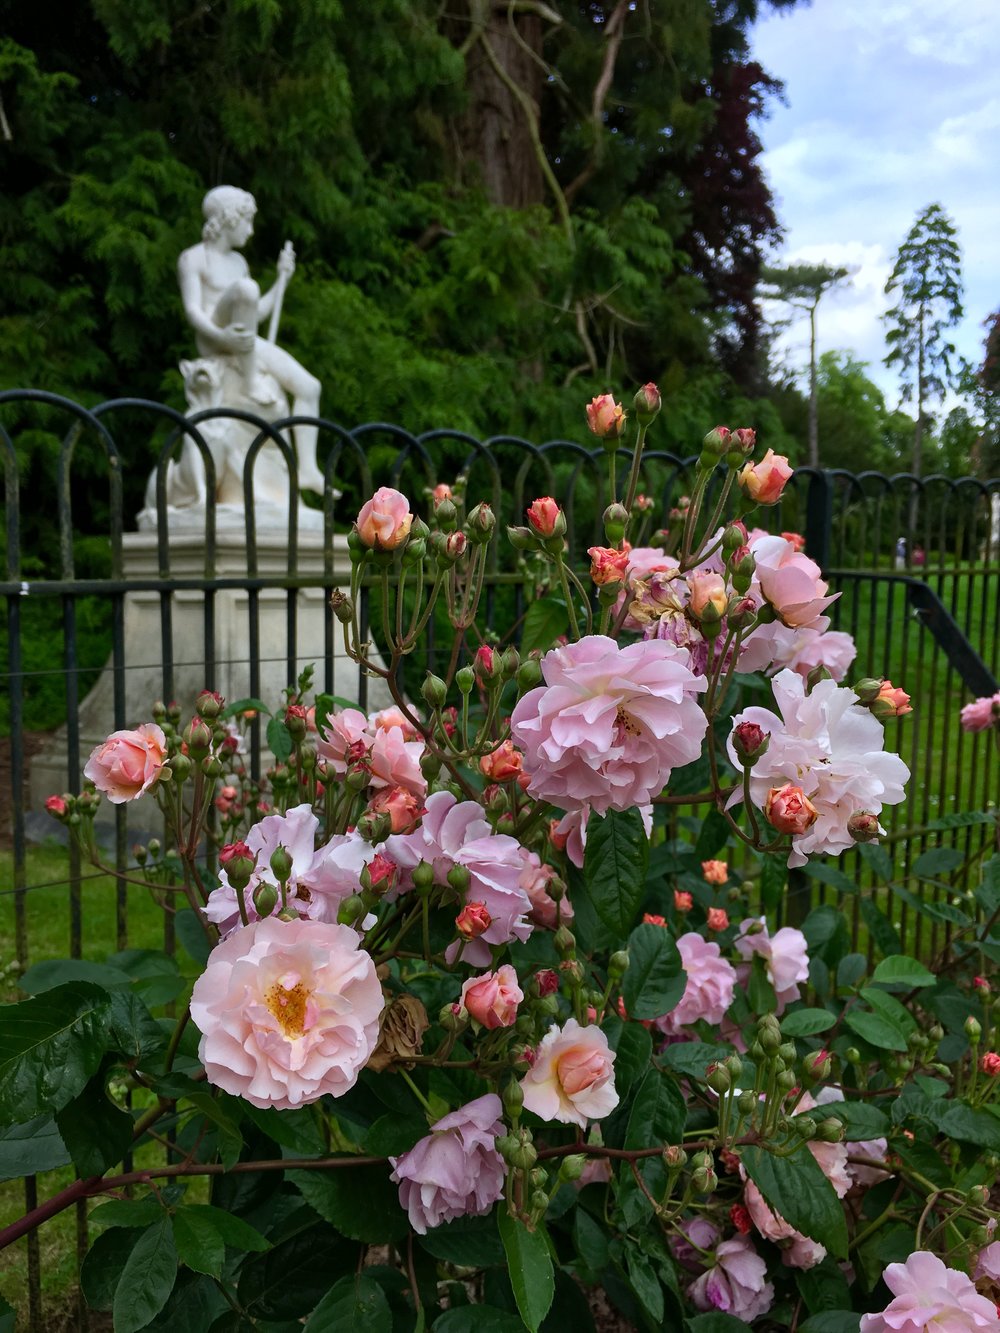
819	518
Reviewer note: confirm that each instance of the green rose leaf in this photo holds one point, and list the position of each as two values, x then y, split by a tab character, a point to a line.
147	1279
615	862
529	1267
654	980
199	1244
544	621
900	970
96	1131
32	1147
353	1302
658	1113
807	1022
50	1048
797	1189
360	1201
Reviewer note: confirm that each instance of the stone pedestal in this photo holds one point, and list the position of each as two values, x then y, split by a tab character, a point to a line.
143	643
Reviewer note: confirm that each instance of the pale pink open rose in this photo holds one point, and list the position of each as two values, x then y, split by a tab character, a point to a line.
763	482
785	953
456	1170
573	1077
981	714
929	1296
341	735
288	1011
791	582
492	999
127	763
829	748
385	520
708	990
736	1283
610	723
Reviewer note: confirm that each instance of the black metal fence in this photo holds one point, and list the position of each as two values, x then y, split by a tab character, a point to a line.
917	562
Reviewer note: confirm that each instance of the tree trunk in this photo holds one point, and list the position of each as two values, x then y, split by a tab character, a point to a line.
813	395
493	134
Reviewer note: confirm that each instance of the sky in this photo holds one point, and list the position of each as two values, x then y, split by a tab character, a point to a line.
890	105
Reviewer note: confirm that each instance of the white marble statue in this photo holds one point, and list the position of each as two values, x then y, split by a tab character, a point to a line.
239	369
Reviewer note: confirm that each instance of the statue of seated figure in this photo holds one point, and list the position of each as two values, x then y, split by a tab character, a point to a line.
239	369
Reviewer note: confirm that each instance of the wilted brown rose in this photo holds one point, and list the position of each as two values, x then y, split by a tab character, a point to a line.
404	1023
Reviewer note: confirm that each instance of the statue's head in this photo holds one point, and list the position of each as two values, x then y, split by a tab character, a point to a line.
228	209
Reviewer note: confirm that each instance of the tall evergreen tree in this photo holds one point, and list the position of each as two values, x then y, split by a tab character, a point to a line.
927	276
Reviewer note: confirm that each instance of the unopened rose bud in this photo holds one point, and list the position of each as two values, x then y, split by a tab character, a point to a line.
481	524
617	965
459	878
546	519
281	863
867	689
674	1157
473	920
789	809
717	918
565	942
238	861
718	1079
454	547
615	523
764	482
446	513
830	1131
750	743
529	675
374	826
990	1064
704	1180
351	910
209	704
605	417
746	1102
571	1167
715	444
978	1196
57	807
863	826
804	1126
379	875
465	679
513	1098
546	982
522	539
486	665
734	536
198	738
973	1030
683	902
296	720
890	701
434	691
646	404
265	899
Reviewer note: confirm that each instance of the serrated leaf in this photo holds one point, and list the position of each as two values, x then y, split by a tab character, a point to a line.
50	1047
96	1131
658	1112
883	932
874	1029
132	1029
862	1121
279	739
615	862
233	1230
877	858
988	893
807	1022
289	1280
147	1279
654	980
693	1057
544	621
645	1284
773	880
45	976
633	1047
901	970
529	1267
796	1188
473	1242
827	874
392	1135
477	1319
126	1213
32	1147
354	1302
199	1244
104	1264
937	861
360	1201
935	911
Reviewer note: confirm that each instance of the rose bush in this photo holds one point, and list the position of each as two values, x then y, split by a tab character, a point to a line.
507	982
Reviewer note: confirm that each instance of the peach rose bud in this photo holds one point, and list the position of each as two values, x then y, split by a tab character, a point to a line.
473	920
683	902
607	565
708	591
492	999
385	520
718	918
890	701
764	482
605	417
789	809
715	872
546	518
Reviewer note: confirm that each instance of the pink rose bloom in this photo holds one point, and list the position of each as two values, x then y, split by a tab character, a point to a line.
791	582
127	763
832	751
394	716
535	880
456	1170
605	417
573	1077
988	1263
288	1011
736	1284
646	560
609	724
763	482
694	1234
981	714
928	1296
773	647
708	993
385	520
455	832
338	735
492	999
395	761
785	953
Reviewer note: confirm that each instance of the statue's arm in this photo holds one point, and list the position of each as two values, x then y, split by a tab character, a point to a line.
286	267
190	285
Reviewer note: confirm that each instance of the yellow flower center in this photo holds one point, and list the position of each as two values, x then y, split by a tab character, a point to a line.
287	1000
